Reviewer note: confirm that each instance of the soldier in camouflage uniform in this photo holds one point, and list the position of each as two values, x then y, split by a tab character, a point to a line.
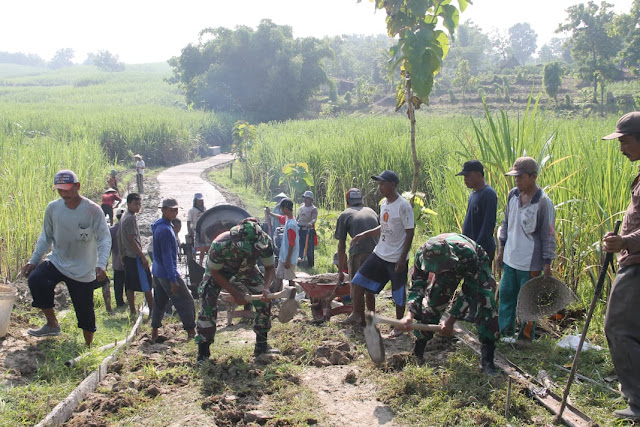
453	258
232	266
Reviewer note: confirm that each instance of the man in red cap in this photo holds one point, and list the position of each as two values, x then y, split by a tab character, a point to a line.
622	323
75	231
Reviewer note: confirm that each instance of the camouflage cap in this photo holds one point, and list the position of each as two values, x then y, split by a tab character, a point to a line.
248	234
437	256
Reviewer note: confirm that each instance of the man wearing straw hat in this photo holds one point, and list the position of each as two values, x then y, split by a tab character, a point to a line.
109	198
622	323
527	242
77	234
140	168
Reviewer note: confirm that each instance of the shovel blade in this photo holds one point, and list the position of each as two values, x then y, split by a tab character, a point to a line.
288	309
374	342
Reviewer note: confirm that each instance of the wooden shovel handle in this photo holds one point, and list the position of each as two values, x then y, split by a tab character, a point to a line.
285	293
417	326
395	322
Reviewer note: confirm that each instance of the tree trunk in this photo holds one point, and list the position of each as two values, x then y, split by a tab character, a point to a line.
412	119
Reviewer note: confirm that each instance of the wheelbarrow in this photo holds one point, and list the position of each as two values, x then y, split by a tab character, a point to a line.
322	289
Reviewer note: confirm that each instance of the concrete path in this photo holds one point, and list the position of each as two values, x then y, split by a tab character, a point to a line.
181	182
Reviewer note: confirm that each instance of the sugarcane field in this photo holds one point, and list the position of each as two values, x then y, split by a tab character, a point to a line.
387	213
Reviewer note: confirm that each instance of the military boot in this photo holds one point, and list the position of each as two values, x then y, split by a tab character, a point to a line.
487	366
418	349
203	352
262	347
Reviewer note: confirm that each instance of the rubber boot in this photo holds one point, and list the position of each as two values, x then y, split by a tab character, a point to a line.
262	347
487	366
418	349
203	352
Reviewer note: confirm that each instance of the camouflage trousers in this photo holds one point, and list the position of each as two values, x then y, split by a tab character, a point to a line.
438	296
251	283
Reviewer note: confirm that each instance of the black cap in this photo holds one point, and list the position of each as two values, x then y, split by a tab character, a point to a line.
471	166
286	203
390	176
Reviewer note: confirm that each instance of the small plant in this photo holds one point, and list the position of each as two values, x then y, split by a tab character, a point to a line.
297	177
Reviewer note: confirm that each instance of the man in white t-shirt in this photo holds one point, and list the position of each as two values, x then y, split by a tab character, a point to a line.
389	260
193	216
140	167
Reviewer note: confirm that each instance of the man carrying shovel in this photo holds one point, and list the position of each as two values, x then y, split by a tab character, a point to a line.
452	258
622	323
232	266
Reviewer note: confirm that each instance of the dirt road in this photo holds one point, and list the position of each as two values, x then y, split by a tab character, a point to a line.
177	394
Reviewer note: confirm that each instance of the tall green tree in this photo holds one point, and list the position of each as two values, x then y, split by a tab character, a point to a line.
62	59
264	74
523	41
463	77
552	79
469	44
592	44
627	29
420	49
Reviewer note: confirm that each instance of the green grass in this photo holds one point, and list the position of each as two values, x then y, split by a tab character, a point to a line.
53	381
89	121
451	391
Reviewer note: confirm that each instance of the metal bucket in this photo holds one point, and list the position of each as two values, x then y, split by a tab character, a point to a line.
217	220
7	297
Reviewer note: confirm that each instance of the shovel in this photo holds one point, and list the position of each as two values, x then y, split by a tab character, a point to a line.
374	339
288	308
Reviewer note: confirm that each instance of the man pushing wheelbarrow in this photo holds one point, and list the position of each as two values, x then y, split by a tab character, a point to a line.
439	266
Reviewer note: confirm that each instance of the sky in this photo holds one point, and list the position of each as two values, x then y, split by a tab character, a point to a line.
143	31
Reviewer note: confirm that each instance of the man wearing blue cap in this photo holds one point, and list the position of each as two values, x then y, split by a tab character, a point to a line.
390	258
75	231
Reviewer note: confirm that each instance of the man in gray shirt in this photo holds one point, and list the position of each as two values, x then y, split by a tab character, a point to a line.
137	275
352	221
75	228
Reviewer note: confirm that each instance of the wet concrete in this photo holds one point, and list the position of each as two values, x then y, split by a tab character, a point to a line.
181	182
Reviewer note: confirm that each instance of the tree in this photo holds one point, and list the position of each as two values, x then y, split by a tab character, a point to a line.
463	77
592	45
21	59
106	61
62	59
523	41
626	28
470	44
418	52
263	73
558	49
552	79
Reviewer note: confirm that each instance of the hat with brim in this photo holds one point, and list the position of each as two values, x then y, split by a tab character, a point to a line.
308	194
387	175
110	190
471	166
169	204
137	156
629	124
542	296
65	180
198	196
523	165
279	197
